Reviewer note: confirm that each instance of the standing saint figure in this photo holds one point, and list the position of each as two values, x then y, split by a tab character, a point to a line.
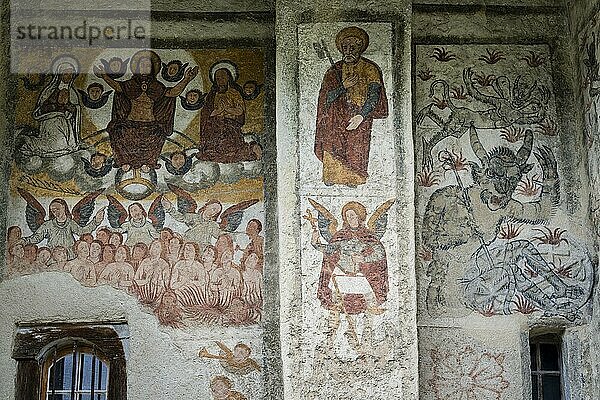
354	272
143	111
222	118
352	94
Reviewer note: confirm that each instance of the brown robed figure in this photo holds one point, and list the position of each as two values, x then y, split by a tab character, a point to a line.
143	112
352	95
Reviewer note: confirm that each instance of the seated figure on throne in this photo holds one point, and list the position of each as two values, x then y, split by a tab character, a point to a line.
143	112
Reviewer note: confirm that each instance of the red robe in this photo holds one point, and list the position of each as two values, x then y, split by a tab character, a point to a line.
375	272
140	142
351	148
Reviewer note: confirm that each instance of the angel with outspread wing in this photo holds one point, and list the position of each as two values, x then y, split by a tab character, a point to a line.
137	227
236	361
208	221
354	273
62	225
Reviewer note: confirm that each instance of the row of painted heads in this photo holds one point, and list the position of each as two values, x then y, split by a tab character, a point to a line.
177	163
105	253
171	251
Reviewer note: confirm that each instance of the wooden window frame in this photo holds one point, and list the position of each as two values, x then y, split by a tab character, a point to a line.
33	345
552	339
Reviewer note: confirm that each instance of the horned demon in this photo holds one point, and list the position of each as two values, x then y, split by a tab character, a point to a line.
456	215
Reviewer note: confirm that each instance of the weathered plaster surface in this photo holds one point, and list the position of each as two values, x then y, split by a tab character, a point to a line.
583	17
163	362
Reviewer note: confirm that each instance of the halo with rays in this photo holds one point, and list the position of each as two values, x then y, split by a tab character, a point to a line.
64	59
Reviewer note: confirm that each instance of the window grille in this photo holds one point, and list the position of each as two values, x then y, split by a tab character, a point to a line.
546	376
75	373
71	361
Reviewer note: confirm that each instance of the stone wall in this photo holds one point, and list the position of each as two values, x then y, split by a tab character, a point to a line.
583	26
411	255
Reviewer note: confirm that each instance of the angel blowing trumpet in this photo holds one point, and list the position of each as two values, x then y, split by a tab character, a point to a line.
354	273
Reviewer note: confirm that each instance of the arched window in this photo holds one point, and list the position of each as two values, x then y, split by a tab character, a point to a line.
75	372
71	361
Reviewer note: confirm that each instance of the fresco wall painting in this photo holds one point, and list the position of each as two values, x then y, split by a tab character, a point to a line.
465	366
142	170
590	92
493	236
347	197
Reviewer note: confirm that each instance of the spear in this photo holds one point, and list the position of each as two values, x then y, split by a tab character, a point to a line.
446	158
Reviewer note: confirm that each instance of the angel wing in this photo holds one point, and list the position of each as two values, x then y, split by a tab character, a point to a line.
232	217
326	221
85	207
124	66
156	213
226	350
254	364
105	64
378	221
116	212
97	173
34	212
195	107
185	202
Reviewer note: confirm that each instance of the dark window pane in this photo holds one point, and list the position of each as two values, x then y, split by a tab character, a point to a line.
534	387
60	397
60	374
533	354
86	372
551	387
67	373
101	380
549	353
61	377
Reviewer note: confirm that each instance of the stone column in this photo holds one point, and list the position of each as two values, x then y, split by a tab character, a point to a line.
345	199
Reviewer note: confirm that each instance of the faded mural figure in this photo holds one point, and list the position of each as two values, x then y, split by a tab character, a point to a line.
62	226
354	273
222	118
58	111
94	97
236	361
591	99
221	388
513	103
456	215
208	221
143	112
515	275
134	222
352	95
